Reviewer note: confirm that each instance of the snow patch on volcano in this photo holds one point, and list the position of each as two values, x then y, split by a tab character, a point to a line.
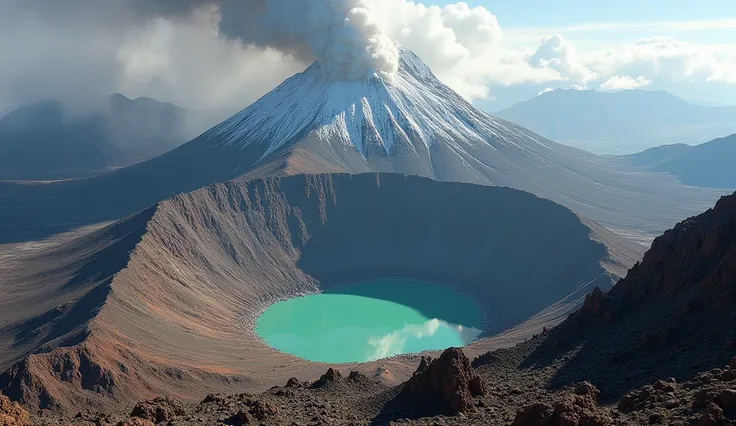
410	109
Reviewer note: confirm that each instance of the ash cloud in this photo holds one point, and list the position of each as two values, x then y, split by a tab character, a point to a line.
342	34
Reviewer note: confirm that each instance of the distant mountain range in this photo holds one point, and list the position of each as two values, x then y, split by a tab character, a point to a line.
620	123
710	164
51	140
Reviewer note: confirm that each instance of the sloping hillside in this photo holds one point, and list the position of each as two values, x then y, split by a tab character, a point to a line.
708	165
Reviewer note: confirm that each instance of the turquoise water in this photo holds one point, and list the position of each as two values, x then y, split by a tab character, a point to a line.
369	321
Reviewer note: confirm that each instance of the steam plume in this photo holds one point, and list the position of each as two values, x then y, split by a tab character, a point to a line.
342	34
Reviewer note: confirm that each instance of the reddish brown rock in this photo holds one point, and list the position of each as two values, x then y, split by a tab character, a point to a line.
447	384
261	410
12	414
158	410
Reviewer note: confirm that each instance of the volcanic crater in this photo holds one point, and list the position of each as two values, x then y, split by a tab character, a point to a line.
164	301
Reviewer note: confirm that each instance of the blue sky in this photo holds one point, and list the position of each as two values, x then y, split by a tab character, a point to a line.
493	52
540	13
598	28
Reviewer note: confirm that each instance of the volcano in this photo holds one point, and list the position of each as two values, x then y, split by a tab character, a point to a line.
411	124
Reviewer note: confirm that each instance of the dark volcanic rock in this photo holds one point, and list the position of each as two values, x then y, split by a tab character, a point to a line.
238	419
158	410
446	384
639	332
576	408
357	377
330	377
712	416
293	383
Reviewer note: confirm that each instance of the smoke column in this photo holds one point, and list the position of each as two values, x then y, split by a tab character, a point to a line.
342	34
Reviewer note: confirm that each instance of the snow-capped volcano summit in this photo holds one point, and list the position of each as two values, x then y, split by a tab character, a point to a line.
411	112
410	123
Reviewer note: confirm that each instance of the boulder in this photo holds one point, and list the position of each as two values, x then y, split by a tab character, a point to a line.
702	398
537	414
445	385
238	419
664	386
586	389
293	383
728	376
636	400
12	414
712	416
261	410
158	410
727	399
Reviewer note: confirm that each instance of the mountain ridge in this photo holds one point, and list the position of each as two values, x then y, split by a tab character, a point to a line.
621	122
707	165
51	140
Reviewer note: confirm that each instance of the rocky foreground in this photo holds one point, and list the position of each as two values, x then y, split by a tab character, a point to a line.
495	390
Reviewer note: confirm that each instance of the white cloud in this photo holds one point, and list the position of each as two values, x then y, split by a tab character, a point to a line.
618	82
185	60
462	45
652	26
547	90
554	52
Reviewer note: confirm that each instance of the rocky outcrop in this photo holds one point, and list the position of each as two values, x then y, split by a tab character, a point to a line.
699	252
158	410
446	384
577	408
330	377
12	414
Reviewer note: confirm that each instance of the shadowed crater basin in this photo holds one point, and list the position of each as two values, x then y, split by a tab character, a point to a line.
371	320
169	300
